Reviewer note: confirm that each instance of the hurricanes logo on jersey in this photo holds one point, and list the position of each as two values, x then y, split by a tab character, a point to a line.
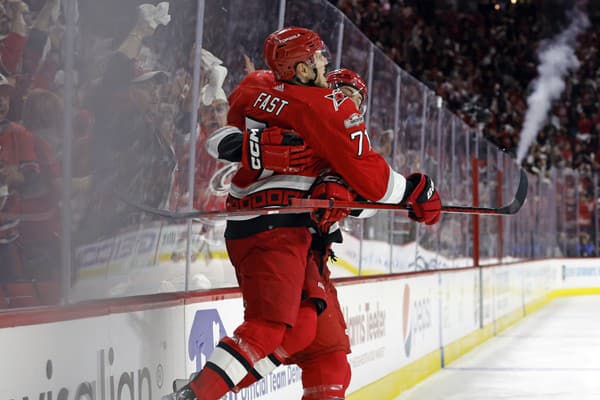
337	97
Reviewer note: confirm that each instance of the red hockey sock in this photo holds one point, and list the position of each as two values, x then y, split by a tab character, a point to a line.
234	358
209	385
261	369
295	339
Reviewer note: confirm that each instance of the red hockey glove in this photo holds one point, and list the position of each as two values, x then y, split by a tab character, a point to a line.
274	149
330	186
423	198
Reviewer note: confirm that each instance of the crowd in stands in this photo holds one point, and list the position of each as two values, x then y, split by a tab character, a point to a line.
131	107
131	112
482	59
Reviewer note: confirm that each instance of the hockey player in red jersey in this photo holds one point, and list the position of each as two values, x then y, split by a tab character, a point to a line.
271	254
328	349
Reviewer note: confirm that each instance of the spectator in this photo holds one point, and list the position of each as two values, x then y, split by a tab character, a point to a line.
585	247
133	154
503	44
13	31
19	171
40	239
212	115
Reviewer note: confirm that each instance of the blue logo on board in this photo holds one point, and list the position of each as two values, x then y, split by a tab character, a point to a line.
207	330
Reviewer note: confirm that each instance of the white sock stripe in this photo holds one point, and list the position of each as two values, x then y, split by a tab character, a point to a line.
234	369
264	366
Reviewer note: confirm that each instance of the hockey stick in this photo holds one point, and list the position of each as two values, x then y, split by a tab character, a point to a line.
509	209
192	214
301	205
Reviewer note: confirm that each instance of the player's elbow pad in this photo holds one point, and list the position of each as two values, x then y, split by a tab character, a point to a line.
225	144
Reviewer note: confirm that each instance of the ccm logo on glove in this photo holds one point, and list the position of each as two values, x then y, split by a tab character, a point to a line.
254	143
430	191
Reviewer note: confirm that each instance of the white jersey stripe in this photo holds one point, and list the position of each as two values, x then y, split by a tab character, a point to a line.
395	189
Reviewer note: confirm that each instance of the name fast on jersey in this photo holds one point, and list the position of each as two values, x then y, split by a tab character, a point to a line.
269	103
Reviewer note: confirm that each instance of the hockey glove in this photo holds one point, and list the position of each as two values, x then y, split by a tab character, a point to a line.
330	186
274	149
423	198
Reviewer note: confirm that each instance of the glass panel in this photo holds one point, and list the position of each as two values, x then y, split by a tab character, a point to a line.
451	235
428	239
490	181
381	132
561	212
586	218
133	81
322	18
406	160
129	139
355	50
597	213
571	211
32	148
231	47
231	32
462	192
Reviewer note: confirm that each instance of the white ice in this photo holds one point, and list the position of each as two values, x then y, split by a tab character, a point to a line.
552	354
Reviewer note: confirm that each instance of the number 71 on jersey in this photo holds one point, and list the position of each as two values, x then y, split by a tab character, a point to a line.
360	135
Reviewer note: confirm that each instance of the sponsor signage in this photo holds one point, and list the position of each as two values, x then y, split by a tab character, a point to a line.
113	357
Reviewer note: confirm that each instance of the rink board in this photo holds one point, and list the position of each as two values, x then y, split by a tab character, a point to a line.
402	328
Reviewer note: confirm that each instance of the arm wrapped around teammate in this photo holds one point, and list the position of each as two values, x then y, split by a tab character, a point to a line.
423	198
275	149
330	186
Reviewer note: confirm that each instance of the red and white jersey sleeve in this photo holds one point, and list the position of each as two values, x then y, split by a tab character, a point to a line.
340	136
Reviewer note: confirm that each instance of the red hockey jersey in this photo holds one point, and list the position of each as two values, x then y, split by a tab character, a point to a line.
328	122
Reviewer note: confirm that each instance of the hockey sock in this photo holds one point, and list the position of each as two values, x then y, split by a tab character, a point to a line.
234	358
296	338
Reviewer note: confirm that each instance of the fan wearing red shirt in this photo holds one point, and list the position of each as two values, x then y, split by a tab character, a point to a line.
18	170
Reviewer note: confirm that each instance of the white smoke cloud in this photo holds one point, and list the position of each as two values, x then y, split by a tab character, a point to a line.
557	58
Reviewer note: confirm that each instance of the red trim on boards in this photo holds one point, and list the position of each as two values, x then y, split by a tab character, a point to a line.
94	308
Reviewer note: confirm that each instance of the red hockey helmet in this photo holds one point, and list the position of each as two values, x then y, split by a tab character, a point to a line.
346	77
285	48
